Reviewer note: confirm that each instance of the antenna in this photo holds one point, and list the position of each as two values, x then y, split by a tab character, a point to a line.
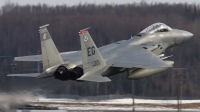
179	99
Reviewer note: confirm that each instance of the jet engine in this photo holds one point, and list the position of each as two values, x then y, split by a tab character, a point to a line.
142	72
65	72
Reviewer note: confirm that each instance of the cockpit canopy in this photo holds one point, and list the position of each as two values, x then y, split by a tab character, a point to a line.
156	27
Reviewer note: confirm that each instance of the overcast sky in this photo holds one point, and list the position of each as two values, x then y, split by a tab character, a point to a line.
75	2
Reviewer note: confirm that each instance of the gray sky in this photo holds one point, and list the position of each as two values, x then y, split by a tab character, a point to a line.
74	2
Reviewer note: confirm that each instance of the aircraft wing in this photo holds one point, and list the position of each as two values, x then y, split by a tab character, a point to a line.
136	56
66	55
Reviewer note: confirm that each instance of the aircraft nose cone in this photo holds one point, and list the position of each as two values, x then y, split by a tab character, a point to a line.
187	35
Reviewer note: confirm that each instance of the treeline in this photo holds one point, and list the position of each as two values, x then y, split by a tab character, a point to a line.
109	23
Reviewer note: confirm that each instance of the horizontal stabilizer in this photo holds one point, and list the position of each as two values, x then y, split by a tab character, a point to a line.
45	75
64	55
95	78
25	75
29	58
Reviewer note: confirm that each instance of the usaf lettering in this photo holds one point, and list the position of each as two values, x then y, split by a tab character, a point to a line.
91	51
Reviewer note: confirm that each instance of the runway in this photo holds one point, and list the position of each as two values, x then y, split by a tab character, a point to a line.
116	105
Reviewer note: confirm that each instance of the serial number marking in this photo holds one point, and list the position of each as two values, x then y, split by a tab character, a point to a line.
95	63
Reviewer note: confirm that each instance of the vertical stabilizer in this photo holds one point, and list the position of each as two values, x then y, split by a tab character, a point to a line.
93	62
92	59
50	54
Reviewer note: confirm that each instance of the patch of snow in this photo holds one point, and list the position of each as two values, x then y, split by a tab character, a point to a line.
119	101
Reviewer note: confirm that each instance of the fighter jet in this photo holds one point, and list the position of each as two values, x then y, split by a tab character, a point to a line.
140	56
